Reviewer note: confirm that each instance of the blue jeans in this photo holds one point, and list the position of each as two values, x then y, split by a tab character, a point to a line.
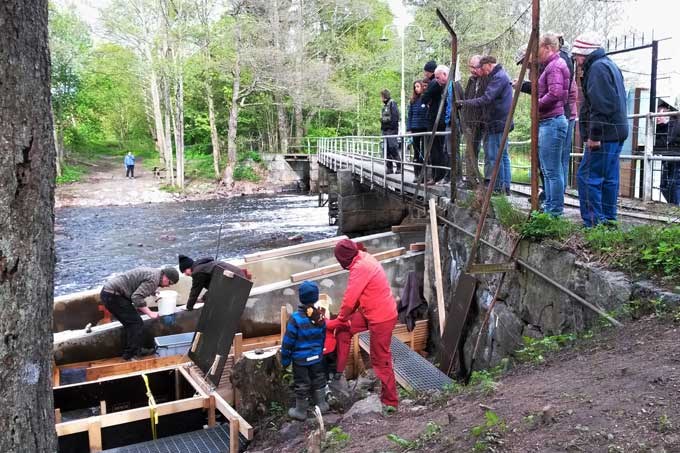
566	158
551	132
598	183
670	182
491	144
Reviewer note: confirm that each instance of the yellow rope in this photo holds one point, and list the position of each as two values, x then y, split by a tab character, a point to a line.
153	415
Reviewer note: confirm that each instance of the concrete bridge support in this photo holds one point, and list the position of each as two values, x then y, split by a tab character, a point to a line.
362	209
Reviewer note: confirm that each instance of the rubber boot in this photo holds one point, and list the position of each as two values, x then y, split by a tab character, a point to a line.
299	412
320	400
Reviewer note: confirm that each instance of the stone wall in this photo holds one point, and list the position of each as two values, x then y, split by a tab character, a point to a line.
528	305
363	209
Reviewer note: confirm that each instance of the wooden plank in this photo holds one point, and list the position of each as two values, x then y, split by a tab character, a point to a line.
196	381
238	346
293	249
493	268
57	415
131	415
458	311
417	247
437	266
284	322
99	371
94	434
409	228
102	407
230	414
331	269
56	376
211	411
234	446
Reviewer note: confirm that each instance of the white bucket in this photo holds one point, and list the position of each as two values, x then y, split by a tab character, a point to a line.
167	303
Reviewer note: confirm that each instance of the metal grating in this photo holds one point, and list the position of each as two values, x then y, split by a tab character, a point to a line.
211	440
412	368
166	341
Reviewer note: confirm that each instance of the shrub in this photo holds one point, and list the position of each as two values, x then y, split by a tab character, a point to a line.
70	173
545	226
244	172
507	214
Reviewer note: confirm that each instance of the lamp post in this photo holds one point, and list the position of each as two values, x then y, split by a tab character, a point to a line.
402	125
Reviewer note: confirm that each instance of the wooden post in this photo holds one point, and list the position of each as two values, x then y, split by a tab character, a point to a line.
55	374
177	384
284	321
441	311
233	436
94	433
238	346
413	339
356	356
211	411
57	415
102	407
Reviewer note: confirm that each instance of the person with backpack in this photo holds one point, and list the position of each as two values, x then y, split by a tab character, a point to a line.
389	125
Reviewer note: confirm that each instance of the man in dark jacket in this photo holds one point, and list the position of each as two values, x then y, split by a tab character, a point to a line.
667	143
200	272
124	294
389	125
431	99
604	127
475	118
497	98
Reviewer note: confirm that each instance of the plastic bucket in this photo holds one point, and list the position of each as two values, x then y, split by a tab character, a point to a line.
167	303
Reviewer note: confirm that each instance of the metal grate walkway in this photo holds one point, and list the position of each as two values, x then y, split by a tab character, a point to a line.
412	370
211	440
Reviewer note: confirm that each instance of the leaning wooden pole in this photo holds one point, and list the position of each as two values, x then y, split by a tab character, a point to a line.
453	138
535	29
497	164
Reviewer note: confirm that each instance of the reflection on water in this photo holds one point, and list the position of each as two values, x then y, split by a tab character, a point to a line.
93	243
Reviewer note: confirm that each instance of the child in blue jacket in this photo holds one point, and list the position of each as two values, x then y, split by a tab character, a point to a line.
303	346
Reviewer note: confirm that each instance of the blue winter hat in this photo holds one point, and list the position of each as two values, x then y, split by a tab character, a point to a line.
309	292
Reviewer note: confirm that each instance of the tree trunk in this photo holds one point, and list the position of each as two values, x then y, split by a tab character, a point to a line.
299	61
258	380
27	179
179	121
168	134
161	144
228	175
214	138
282	123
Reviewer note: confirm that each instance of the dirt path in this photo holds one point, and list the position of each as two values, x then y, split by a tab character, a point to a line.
616	392
106	184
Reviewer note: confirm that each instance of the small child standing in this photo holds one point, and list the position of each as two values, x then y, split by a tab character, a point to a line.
303	346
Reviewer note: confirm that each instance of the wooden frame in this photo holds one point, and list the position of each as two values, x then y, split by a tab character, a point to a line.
333	268
208	400
283	251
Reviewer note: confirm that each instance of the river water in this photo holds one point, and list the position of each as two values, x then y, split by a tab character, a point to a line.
94	243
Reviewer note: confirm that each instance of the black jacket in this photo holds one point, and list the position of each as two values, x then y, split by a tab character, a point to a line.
391	111
201	273
603	112
431	98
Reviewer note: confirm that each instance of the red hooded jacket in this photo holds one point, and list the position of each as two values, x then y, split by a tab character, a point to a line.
368	287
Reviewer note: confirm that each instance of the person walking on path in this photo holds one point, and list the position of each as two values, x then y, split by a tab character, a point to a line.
604	127
368	304
389	125
124	294
303	346
129	165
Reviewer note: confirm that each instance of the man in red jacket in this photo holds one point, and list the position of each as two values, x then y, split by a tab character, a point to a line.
367	305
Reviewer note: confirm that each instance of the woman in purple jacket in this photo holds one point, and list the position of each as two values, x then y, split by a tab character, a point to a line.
553	93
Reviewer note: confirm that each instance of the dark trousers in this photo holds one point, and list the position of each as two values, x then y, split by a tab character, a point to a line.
330	363
392	151
308	378
126	313
130	171
437	157
670	182
418	152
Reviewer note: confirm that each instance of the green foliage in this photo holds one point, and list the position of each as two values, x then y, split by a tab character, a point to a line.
650	249
70	173
431	432
545	226
664	424
507	214
534	349
170	188
244	172
198	164
250	155
485	380
336	439
276	409
489	432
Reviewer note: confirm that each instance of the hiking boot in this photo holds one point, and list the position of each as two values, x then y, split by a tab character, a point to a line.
299	412
320	400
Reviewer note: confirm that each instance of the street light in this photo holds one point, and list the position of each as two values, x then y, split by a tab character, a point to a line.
402	126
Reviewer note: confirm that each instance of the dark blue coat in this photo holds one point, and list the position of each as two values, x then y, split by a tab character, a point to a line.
393	125
417	115
497	99
603	112
303	342
431	99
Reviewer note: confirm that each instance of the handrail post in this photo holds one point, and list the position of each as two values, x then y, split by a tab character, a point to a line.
647	163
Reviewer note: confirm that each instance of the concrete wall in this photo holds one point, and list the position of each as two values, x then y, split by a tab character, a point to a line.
363	209
528	305
288	175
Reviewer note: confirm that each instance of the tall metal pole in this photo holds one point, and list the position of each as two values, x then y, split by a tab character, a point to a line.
647	164
402	126
535	15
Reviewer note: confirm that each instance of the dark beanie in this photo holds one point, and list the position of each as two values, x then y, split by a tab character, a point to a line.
430	66
185	263
345	251
309	292
171	273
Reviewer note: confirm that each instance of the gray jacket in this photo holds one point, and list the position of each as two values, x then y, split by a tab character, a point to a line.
135	285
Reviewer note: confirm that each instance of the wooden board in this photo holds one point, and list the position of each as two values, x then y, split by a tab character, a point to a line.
409	228
437	265
331	269
417	247
299	248
458	311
